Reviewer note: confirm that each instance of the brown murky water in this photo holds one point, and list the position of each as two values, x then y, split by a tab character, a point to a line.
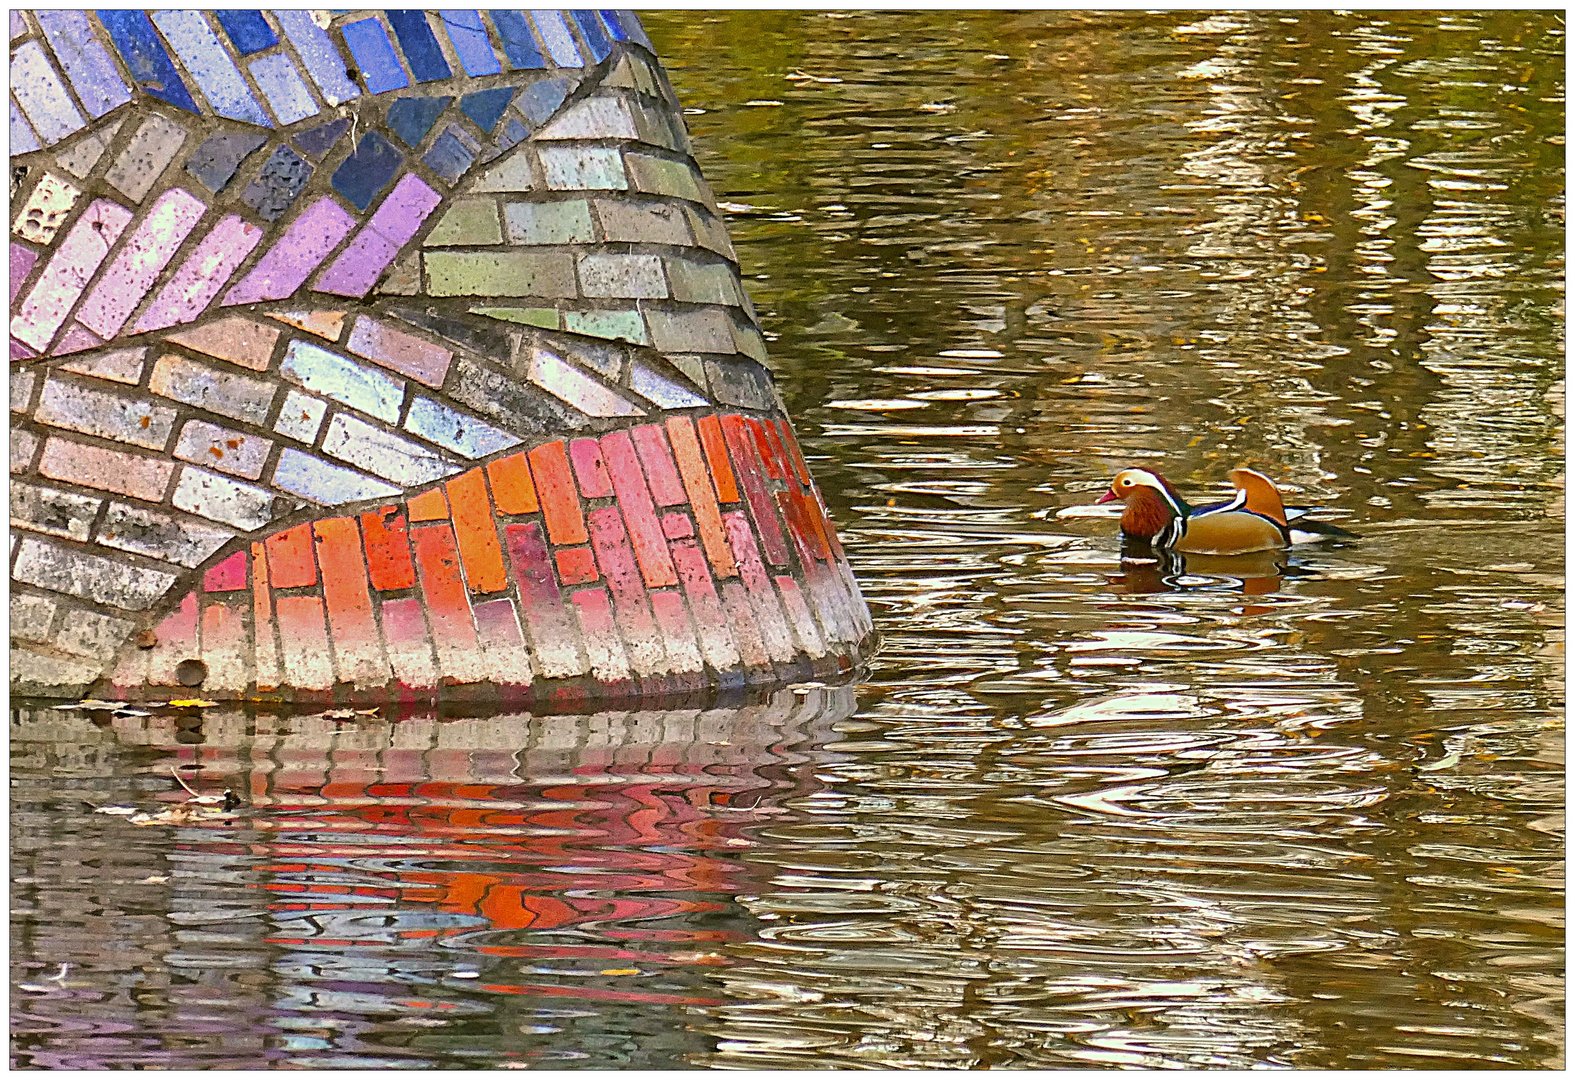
1305	814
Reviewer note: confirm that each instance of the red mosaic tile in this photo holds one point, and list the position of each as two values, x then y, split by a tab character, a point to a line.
576	566
806	531
589	469
498	628
177	641
740	441
387	549
639	512
225	646
617	561
303	641
290	562
741	620
447	604
757	431
677	526
609	664
678	631
428	506
513	492
817	510
227	575
265	650
560	507
660	471
716	456
716	643
477	533
553	639
702	497
409	650
768	609
358	649
795	455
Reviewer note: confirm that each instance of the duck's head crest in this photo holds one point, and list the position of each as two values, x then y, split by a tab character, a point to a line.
1130	482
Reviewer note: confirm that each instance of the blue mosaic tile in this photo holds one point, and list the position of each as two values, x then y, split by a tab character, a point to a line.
485	107
318	53
541	99
629	22
514	133
344	380
312	478
210	66
281	84
319	140
591	31
88	64
614	27
23	141
248	31
555	35
412	117
42	95
454	430
420	47
217	160
150	66
469	37
374	55
452	153
277	185
518	43
367	171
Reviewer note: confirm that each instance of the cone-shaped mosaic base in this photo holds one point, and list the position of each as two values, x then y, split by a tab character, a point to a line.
395	354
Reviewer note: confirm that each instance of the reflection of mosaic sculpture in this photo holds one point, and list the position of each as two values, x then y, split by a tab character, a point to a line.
377	353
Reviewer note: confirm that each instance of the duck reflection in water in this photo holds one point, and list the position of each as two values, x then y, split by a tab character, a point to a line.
1147	569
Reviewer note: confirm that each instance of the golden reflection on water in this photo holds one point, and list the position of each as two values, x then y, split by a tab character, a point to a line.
1302	809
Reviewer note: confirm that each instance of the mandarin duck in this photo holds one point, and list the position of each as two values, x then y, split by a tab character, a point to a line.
1256	519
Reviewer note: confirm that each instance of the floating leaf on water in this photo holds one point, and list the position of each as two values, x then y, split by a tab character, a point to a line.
191	703
340	714
117	811
621	971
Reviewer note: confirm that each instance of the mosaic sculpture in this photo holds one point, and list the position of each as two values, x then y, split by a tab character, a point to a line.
389	354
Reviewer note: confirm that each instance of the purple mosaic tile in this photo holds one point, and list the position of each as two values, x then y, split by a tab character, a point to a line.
306	243
22	260
76	258
202	275
395	222
141	260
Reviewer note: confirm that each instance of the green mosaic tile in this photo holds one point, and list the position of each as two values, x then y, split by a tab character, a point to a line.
468	223
626	324
547	318
549	223
503	273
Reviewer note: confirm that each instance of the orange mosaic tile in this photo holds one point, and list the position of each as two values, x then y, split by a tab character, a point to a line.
795	455
476	531
757	431
716	455
560	507
428	506
702	496
512	489
447	604
387	549
265	651
290	562
768	527
358	649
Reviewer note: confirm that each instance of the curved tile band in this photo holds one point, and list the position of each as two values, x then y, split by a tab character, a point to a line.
389	354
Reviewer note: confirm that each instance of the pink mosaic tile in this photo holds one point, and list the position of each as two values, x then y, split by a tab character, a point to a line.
398	351
142	258
76	259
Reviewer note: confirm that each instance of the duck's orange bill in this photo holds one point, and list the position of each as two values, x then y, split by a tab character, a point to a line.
1108	496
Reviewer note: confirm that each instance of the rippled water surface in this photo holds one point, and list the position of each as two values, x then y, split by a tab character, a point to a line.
1241	813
